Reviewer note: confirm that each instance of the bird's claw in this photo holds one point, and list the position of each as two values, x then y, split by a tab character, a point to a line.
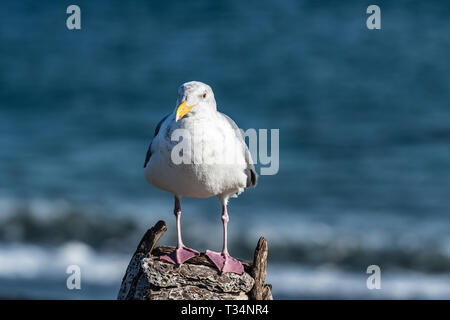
225	263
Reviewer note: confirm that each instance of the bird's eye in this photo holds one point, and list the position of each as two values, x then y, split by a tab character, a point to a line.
204	95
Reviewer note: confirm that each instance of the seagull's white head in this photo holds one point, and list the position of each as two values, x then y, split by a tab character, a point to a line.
194	97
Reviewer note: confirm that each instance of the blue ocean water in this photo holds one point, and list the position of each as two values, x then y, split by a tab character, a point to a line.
364	124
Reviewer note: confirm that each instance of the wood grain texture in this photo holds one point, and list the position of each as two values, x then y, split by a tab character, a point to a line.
259	268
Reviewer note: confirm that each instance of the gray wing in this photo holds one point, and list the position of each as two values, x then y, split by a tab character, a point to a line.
149	151
252	177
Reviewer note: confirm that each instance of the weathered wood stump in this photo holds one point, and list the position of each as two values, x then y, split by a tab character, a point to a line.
149	278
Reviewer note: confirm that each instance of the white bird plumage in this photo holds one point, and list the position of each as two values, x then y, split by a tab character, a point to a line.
221	164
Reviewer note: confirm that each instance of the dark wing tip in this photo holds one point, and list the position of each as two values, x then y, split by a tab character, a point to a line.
149	151
252	177
148	155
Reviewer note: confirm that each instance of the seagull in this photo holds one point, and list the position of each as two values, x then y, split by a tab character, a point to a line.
199	152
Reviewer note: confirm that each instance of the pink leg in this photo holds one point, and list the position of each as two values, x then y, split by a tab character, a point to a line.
223	261
181	253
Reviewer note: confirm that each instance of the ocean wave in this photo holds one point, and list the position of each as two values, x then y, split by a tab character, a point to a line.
348	241
36	271
325	282
19	261
43	222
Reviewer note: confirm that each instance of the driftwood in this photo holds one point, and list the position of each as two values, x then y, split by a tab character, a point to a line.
149	278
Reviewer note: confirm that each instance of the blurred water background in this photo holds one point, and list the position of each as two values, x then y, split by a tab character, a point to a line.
364	121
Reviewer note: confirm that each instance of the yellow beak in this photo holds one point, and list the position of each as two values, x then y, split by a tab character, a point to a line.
182	110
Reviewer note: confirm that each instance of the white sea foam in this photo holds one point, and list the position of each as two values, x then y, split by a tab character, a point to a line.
348	242
20	261
27	262
296	281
